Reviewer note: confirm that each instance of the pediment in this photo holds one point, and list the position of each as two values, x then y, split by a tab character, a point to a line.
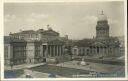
98	44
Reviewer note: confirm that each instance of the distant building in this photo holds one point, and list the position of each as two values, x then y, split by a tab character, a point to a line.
102	45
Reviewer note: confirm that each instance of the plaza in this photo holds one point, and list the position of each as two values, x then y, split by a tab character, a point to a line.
71	69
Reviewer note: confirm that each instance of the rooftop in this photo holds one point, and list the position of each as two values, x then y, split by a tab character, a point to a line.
8	40
42	31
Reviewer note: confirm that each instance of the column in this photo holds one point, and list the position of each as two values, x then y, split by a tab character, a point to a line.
54	51
107	51
100	52
46	52
60	51
103	51
41	50
96	50
50	50
92	50
112	51
57	50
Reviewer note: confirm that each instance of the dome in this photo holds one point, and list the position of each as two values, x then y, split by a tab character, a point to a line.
102	17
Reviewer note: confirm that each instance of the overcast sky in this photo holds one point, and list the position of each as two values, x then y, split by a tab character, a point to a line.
78	20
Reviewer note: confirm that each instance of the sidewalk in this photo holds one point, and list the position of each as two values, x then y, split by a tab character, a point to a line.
23	66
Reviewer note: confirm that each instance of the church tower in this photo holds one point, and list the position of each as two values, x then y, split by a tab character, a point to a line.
102	27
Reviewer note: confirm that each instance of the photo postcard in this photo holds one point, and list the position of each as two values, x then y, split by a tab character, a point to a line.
75	40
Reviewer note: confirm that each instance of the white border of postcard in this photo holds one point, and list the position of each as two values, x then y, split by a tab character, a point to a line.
32	1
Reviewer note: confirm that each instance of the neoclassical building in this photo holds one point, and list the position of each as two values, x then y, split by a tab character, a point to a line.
103	45
31	46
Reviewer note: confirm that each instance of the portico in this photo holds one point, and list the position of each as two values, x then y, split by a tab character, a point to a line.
52	49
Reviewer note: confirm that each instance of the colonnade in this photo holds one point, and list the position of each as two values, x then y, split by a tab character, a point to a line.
97	50
52	50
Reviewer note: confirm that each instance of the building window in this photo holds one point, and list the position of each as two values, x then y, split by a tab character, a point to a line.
110	50
87	51
97	49
75	51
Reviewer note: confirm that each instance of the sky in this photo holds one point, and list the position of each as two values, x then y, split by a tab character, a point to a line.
76	19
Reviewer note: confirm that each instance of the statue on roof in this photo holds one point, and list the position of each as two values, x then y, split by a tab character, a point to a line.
48	27
102	12
102	16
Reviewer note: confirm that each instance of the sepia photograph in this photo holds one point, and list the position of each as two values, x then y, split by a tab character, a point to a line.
64	40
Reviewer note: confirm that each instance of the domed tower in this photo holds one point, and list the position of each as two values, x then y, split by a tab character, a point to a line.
102	27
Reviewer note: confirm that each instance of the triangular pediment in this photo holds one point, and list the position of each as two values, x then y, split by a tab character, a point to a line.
50	32
98	44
